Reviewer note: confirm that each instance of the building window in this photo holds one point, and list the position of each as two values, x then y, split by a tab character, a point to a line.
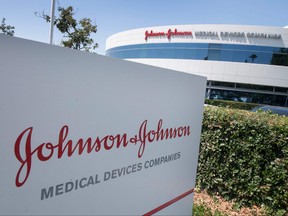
249	93
204	51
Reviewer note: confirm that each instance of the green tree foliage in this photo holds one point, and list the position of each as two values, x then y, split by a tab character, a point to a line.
6	29
77	34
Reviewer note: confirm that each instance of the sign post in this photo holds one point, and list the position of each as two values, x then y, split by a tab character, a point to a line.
92	135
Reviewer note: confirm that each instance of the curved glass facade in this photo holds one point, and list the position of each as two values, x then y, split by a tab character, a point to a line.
241	92
204	51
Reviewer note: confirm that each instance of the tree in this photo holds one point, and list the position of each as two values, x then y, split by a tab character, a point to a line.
77	32
7	29
253	56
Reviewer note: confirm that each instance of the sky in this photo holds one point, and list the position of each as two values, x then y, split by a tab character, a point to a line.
113	16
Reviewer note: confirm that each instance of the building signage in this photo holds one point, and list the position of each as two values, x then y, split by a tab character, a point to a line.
204	34
170	33
70	148
84	134
236	34
263	35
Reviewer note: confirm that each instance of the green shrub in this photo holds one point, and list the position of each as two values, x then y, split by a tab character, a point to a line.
231	104
244	157
203	210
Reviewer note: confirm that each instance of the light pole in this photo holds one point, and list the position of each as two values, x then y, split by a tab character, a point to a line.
52	20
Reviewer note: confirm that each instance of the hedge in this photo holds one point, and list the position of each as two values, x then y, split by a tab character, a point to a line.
244	157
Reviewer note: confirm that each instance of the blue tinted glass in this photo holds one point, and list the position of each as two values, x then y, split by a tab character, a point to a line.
239	56
201	54
215	46
251	57
190	53
214	55
226	55
202	46
204	51
179	53
142	53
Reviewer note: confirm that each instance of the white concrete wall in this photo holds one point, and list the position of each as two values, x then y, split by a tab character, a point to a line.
226	71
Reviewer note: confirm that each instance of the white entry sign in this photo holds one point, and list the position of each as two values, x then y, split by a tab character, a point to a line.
84	134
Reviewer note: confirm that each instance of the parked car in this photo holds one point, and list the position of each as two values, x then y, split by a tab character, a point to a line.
273	109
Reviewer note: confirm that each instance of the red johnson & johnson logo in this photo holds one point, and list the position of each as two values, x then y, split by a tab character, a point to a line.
25	154
167	34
